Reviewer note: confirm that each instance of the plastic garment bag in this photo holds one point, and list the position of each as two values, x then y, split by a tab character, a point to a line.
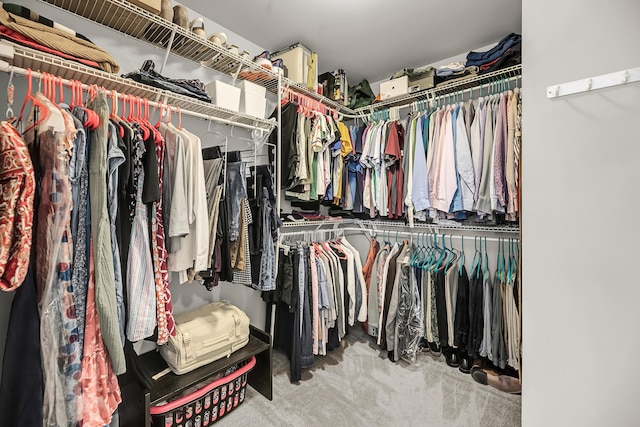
410	318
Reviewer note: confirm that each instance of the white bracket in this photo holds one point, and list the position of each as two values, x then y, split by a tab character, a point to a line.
598	82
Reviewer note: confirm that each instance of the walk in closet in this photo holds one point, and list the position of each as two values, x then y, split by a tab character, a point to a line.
430	256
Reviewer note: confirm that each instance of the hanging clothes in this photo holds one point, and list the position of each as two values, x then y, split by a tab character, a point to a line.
320	293
16	207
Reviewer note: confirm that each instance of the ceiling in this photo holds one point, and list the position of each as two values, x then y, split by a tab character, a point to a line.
368	38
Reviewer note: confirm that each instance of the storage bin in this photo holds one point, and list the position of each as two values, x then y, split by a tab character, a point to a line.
207	405
224	95
395	87
297	59
253	105
252	88
422	81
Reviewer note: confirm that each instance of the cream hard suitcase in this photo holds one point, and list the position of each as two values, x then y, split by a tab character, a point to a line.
205	335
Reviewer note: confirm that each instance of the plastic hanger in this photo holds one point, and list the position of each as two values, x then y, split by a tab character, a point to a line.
42	111
462	255
114	113
477	257
486	258
92	121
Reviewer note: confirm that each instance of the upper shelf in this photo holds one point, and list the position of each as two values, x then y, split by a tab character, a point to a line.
138	23
24	57
126	18
447	88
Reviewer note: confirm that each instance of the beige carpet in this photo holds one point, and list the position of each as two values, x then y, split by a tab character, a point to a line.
357	386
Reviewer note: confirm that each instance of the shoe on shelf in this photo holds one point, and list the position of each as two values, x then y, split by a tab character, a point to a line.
197	27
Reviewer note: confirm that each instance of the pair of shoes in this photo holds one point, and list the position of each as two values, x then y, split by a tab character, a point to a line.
505	383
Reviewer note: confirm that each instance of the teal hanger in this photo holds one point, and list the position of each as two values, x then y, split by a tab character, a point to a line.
454	254
443	253
486	259
510	262
462	256
475	262
500	269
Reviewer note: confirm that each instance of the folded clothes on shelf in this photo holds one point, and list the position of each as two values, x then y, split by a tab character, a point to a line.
147	75
56	40
449	69
482	58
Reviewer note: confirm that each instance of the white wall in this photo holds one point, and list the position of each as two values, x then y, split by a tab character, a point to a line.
580	232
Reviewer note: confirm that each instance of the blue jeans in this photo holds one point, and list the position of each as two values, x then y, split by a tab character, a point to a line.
236	191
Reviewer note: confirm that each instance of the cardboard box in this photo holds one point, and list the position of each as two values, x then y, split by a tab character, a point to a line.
224	95
152	6
395	87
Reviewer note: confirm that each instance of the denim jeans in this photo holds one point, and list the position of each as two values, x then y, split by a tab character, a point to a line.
236	192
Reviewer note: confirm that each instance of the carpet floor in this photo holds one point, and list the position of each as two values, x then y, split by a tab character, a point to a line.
356	385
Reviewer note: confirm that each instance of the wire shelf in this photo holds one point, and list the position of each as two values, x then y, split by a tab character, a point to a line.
129	19
322	223
379	225
445	89
138	23
24	57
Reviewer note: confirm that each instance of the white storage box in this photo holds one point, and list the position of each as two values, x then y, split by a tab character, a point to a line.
252	88
224	95
297	59
395	87
253	105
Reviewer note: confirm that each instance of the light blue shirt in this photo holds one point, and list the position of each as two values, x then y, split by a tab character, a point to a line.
420	189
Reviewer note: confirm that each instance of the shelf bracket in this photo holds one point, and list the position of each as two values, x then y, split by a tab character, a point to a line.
598	82
169	46
237	72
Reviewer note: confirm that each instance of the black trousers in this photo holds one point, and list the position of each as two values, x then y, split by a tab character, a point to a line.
22	386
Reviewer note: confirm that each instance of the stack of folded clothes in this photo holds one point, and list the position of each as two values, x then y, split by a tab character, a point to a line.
506	53
453	72
148	75
20	25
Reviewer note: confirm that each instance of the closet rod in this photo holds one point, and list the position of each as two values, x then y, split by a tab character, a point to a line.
7	68
392	234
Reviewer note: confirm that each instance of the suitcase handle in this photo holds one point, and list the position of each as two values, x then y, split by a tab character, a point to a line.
156	410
